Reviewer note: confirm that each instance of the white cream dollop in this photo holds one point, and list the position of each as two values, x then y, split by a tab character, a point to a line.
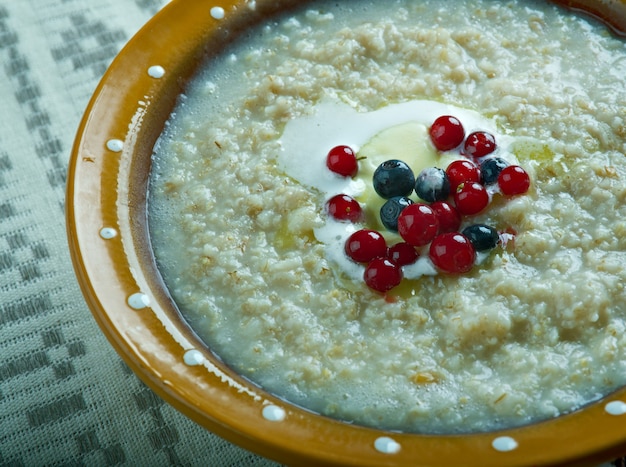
306	141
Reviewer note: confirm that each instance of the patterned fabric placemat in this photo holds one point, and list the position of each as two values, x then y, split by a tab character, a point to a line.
66	398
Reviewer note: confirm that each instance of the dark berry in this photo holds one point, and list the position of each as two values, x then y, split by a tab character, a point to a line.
446	132
418	224
483	237
382	275
432	184
447	215
342	160
390	211
452	253
402	254
344	208
490	169
365	245
479	144
462	170
513	180
471	198
393	178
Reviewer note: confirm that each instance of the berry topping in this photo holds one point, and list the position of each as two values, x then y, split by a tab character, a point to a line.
433	225
446	133
461	171
382	274
483	237
513	180
471	198
447	215
342	161
402	254
490	169
393	178
479	144
365	245
432	184
344	208
390	211
418	224
452	253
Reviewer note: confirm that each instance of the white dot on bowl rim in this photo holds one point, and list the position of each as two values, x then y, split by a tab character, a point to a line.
273	413
108	233
217	12
138	301
193	357
115	145
615	408
156	71
387	445
504	444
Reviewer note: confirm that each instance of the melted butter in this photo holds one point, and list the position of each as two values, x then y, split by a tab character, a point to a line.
406	289
286	239
548	164
527	149
408	142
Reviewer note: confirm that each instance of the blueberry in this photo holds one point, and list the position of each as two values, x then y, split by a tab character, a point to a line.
490	169
482	237
393	178
432	184
390	211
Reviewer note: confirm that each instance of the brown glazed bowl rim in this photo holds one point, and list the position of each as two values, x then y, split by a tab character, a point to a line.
110	249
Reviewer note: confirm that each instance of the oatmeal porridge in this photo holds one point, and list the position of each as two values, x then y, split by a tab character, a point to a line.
242	234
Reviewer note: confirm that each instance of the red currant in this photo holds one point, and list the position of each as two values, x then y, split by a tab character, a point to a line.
471	198
513	180
479	144
342	160
461	171
446	132
382	275
418	224
344	208
447	215
402	254
452	252
365	245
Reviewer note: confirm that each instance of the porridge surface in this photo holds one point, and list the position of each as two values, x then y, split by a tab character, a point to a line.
534	331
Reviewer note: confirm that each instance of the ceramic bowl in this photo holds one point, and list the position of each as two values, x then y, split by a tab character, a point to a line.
106	220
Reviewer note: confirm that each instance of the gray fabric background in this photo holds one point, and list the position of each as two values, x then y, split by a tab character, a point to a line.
66	398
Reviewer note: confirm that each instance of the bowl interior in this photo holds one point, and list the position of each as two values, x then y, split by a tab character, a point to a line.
110	246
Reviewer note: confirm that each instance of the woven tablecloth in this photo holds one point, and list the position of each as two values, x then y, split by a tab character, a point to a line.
66	398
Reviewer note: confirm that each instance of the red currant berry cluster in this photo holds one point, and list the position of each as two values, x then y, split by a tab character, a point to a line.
344	208
342	161
383	264
450	196
383	270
